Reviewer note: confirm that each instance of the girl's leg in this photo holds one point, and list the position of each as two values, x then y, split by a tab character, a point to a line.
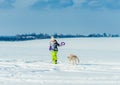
54	57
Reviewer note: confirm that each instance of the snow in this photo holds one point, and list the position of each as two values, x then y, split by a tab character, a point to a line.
29	62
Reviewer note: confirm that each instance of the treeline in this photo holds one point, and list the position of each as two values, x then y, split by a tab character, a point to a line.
33	36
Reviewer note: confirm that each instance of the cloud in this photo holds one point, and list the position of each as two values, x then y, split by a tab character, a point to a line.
53	4
6	4
23	3
100	4
82	4
57	4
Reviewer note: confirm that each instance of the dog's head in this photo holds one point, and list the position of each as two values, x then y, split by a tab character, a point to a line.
71	56
68	57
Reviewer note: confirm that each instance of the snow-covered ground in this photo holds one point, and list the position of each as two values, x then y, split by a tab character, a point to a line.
29	62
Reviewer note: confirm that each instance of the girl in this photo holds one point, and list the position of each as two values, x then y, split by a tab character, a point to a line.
54	49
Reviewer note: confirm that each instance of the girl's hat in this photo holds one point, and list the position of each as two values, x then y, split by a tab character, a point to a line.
52	38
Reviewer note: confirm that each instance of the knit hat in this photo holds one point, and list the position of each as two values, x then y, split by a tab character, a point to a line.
52	39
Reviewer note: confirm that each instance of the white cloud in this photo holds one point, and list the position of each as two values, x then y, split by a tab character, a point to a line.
95	3
23	3
52	4
38	4
78	3
98	4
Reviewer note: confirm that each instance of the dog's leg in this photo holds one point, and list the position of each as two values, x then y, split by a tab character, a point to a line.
73	62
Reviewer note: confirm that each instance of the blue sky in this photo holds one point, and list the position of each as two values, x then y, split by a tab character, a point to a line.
59	16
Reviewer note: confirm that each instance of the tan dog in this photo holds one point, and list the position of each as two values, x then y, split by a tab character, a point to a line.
73	59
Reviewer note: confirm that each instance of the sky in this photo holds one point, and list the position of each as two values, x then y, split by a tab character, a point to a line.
59	16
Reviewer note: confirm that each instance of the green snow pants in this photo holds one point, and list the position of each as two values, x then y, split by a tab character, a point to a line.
54	57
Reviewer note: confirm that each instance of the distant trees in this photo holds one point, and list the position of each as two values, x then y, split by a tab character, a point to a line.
33	36
103	35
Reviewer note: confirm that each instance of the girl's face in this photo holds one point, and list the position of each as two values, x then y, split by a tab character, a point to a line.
52	40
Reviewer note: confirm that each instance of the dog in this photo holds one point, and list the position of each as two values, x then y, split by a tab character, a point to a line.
73	59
